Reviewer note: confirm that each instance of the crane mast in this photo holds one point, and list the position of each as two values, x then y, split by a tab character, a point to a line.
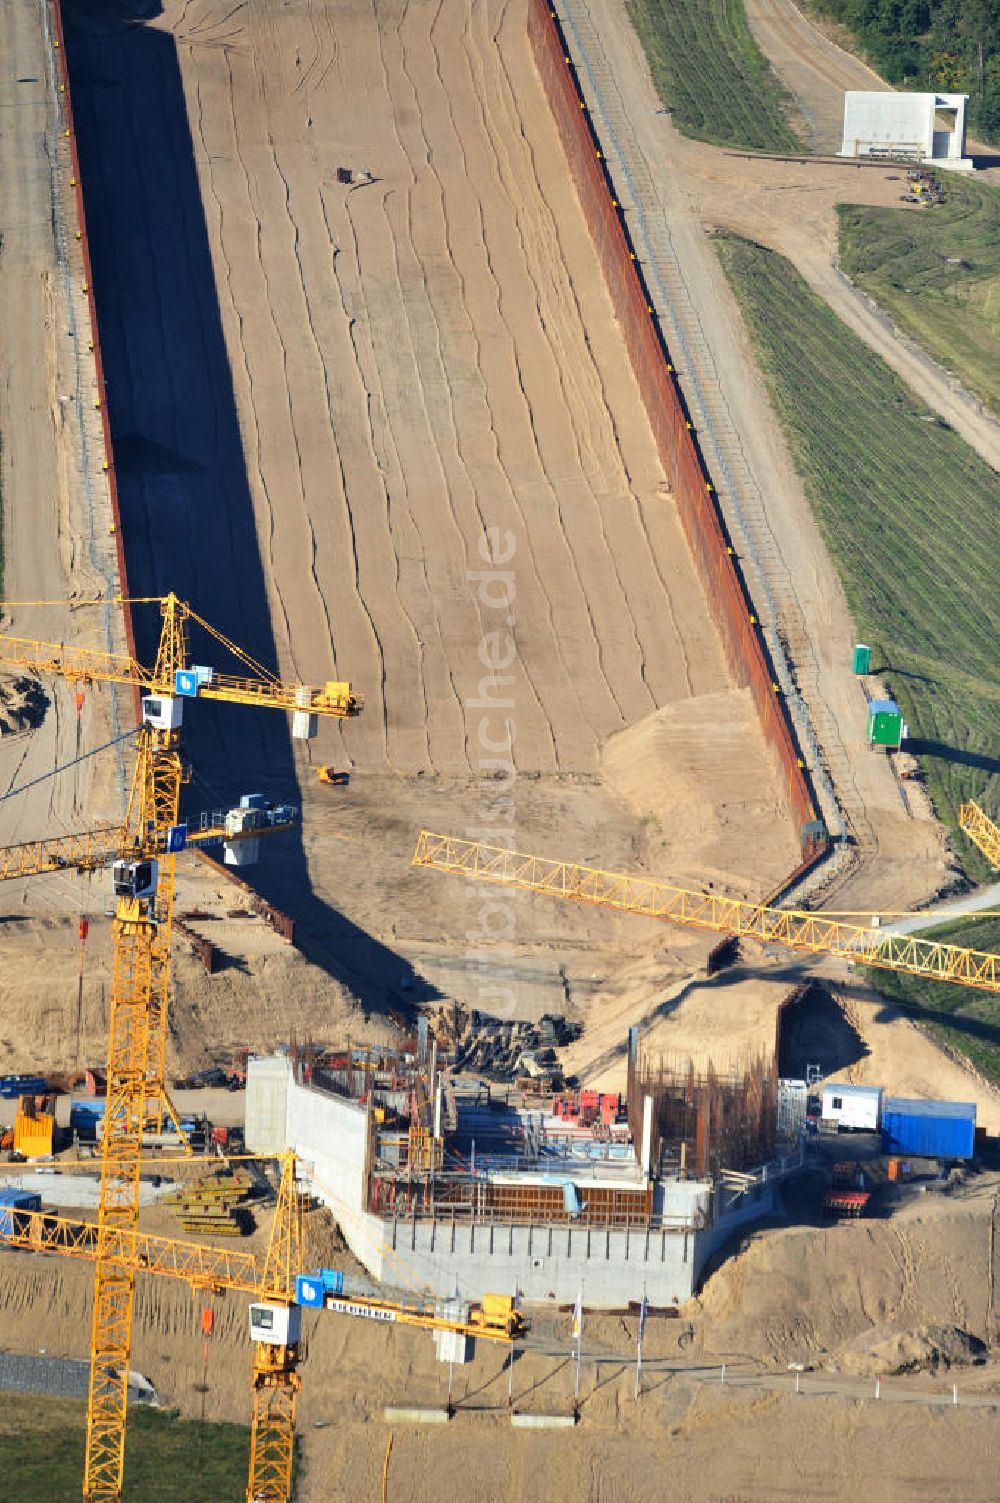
275	1381
135	1075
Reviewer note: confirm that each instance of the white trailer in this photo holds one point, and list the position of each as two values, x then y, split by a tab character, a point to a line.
854	1108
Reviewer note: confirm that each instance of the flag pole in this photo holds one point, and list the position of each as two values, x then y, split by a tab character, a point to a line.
578	1333
640	1331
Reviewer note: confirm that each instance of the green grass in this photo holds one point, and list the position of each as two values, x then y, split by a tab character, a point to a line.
910	515
962	1018
167	1459
710	73
937	272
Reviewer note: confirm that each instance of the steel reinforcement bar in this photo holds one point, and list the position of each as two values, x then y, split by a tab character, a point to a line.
725	588
796	930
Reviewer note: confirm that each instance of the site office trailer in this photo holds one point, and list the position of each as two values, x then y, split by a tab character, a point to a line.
855	1108
929	1129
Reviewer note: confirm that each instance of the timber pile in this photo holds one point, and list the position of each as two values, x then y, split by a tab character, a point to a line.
216	1204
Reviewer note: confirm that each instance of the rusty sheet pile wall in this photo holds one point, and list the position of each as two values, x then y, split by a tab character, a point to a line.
703	524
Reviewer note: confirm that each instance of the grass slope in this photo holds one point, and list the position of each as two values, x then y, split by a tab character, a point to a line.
909	513
710	73
167	1460
964	1019
937	272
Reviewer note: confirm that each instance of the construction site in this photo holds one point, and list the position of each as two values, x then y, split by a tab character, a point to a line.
370	365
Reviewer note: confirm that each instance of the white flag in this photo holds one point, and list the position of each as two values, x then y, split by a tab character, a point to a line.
642	1317
578	1316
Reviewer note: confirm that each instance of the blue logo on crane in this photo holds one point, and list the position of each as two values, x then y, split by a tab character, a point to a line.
186	683
309	1291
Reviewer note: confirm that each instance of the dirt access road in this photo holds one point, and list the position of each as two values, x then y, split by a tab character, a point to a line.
789	206
56	509
333	400
816	71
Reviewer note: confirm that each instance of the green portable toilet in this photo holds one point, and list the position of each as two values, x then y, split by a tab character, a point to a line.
885	724
862	658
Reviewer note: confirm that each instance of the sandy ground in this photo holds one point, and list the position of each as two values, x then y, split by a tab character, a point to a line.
403	281
56	511
450	387
800	1293
423	373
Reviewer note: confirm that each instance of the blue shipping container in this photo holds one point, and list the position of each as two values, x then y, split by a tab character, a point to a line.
12	1201
84	1116
929	1129
22	1085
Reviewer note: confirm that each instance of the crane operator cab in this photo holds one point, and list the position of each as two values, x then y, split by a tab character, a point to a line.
163	712
135	879
275	1325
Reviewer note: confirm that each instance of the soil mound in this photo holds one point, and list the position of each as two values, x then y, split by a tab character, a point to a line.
23	703
885	1353
701	769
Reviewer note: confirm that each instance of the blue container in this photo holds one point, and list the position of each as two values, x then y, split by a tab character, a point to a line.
22	1085
312	1288
929	1129
11	1202
84	1116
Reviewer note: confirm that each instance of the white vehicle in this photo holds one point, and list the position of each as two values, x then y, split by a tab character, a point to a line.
854	1108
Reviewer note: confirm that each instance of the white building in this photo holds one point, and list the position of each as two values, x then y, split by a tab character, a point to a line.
857	1108
926	128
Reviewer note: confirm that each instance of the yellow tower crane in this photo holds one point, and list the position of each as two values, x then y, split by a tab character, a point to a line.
981	831
273	1315
809	932
143	912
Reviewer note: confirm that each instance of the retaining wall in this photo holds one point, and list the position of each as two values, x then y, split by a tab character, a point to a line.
725	589
62	65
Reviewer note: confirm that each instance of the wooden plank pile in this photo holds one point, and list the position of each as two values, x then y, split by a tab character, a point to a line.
215	1204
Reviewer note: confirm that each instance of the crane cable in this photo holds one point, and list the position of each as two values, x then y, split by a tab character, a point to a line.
55	771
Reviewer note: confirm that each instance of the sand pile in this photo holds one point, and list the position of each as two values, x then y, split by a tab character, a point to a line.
932	1349
701	770
806	1293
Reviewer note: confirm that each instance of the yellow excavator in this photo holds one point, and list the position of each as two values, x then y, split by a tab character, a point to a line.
331	776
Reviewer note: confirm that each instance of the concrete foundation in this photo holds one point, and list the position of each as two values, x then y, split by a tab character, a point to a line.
455	1255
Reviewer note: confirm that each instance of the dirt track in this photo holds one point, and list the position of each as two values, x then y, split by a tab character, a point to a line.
56	512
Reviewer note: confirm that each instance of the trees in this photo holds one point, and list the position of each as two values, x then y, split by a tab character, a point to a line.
934	44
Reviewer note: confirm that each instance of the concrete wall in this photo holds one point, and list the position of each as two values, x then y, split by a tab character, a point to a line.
545	1263
904	122
268	1080
542	1262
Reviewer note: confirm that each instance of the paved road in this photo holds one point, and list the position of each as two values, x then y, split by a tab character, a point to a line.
984	900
